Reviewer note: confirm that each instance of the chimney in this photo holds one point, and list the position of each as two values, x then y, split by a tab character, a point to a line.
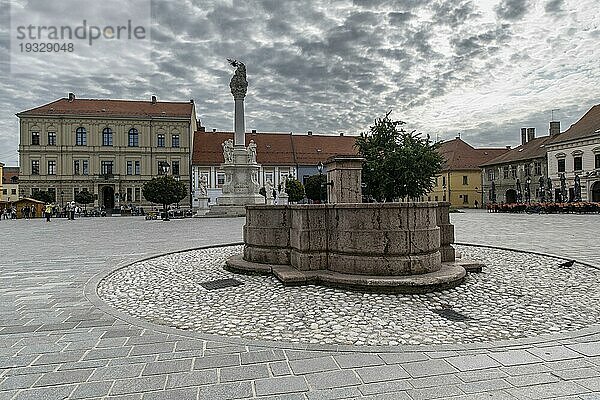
153	99
554	128
71	97
214	130
507	147
341	133
254	131
202	129
191	101
309	133
523	136
530	134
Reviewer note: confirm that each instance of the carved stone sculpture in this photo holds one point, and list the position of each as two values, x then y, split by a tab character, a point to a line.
238	83
228	151
251	152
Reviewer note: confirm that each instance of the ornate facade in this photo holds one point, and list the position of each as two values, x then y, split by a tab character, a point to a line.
107	147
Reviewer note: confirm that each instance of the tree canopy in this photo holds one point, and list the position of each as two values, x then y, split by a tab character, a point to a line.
294	189
313	187
164	190
41	195
398	164
84	197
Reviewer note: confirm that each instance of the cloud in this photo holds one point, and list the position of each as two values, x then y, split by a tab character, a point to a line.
512	10
476	67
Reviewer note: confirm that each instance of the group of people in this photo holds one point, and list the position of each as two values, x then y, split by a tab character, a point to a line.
546	208
9	213
54	210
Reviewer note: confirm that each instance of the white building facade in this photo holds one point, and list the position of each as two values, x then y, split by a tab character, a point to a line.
576	152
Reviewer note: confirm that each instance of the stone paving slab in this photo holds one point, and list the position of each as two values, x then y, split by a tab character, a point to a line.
56	343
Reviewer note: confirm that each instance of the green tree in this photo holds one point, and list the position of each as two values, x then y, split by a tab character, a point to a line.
313	187
164	190
41	195
84	197
398	164
294	189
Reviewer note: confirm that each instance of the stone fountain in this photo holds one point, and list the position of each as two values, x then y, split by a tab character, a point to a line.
382	247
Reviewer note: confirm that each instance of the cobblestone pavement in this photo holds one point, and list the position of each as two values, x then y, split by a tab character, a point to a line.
57	340
510	299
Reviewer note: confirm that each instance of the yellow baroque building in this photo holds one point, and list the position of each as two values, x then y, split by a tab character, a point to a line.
461	181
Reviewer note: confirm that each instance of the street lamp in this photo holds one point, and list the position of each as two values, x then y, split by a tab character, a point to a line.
320	169
62	195
528	189
165	166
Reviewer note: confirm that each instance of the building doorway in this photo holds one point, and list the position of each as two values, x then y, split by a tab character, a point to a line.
108	198
511	196
596	191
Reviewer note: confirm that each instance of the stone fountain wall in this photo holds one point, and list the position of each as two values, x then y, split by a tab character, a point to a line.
391	239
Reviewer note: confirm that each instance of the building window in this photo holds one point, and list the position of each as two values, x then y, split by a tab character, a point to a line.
443	181
175	168
35	138
597	162
51	138
76	170
52	192
465	180
161	140
465	199
505	172
35	167
527	169
106	167
513	171
75	192
5	191
436	198
175	141
129	194
129	167
538	168
85	167
269	177
134	138
137	168
577	163
561	165
107	137
220	179
161	169
80	137
491	174
13	191
138	192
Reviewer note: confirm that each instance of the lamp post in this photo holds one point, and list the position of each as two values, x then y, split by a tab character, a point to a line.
320	169
62	195
528	189
165	166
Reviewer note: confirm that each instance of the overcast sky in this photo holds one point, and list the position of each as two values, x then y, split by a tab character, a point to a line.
484	68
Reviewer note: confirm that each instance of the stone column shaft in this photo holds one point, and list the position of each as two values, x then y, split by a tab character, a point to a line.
239	124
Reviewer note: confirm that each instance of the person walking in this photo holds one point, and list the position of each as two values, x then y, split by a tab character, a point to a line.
48	211
72	208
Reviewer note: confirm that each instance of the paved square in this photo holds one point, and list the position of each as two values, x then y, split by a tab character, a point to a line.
58	342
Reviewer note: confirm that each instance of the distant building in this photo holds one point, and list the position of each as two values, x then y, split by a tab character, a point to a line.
576	152
1	181
509	171
460	182
279	154
10	184
108	147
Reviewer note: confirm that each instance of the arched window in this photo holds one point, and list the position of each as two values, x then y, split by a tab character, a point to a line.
80	137
134	138
107	137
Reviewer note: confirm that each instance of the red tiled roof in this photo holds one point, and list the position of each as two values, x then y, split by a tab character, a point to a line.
460	155
8	173
112	108
588	125
274	148
535	148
